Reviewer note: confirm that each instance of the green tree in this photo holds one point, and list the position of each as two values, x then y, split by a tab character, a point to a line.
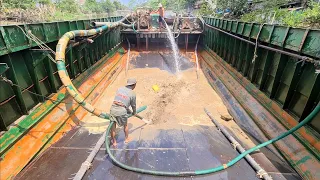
308	17
68	6
23	4
206	9
273	4
108	6
93	6
154	3
175	5
102	6
236	7
117	4
44	2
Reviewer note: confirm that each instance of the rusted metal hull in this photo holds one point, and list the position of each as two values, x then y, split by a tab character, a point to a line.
283	116
182	148
59	120
296	153
161	154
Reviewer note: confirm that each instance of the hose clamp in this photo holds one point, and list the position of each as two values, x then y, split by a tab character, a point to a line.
225	166
235	144
87	164
261	173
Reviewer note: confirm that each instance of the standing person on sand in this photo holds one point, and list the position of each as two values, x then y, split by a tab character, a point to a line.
119	112
161	16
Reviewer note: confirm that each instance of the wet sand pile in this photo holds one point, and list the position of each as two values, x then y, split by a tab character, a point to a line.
180	100
165	97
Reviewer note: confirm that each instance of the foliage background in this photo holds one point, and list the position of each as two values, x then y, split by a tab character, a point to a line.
31	11
266	11
260	11
308	16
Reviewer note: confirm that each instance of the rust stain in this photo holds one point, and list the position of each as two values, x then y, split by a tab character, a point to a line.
81	112
38	113
292	149
284	116
24	150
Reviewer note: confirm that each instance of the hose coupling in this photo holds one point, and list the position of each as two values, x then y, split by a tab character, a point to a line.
261	173
234	145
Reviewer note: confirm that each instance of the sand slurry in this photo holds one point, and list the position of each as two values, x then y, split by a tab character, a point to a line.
179	101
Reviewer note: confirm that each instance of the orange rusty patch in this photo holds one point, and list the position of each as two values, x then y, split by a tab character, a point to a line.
281	114
70	124
292	149
24	150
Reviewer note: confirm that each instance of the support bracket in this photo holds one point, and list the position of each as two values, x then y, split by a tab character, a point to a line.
38	55
3	68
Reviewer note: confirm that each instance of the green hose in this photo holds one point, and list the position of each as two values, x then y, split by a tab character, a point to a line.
140	109
211	170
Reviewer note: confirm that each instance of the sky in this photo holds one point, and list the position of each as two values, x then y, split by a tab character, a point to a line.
124	2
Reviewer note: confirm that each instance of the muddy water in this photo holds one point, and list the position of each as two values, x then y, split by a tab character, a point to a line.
179	101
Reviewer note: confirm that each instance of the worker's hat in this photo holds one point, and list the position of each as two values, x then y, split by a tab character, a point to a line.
131	81
160	5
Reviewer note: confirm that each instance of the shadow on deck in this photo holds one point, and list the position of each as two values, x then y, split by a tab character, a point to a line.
183	148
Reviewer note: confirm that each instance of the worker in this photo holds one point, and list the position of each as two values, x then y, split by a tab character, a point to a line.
161	16
119	111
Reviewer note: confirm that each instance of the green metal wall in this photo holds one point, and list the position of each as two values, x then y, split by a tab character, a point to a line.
31	68
291	83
